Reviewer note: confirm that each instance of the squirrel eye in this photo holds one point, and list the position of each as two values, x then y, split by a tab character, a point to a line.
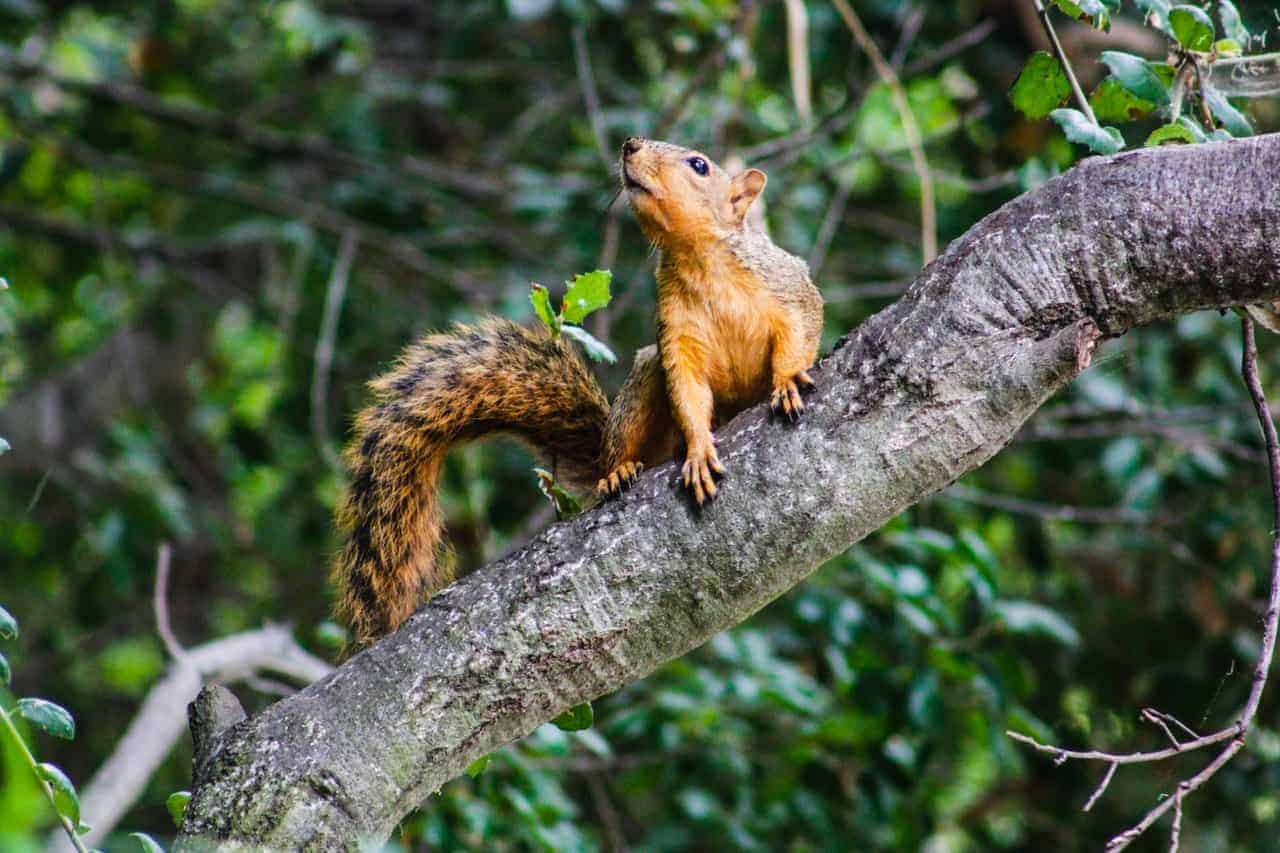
698	165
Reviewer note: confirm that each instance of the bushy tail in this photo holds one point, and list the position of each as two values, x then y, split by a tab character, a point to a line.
448	388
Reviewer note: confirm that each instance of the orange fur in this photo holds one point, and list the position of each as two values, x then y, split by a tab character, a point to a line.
738	321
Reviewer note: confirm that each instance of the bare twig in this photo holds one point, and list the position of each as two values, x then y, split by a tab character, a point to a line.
161	719
1054	512
334	296
798	59
160	603
928	214
1102	786
969	38
827	230
590	95
1081	100
1235	733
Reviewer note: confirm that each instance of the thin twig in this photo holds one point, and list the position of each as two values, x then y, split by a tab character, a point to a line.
1054	512
1236	732
798	59
827	230
334	296
160	603
928	214
1102	786
590	95
1081	100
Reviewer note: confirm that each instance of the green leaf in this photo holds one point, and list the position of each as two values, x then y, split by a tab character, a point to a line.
1157	12
147	843
576	719
4	446
1113	102
1232	25
1227	47
1232	119
1095	11
8	625
1191	27
65	799
1169	133
541	300
477	767
1041	86
44	714
1027	617
595	349
1136	76
566	505
6	674
1193	126
83	828
1078	128
587	292
177	806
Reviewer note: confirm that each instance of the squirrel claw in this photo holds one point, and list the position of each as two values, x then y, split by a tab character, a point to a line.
620	478
701	467
786	398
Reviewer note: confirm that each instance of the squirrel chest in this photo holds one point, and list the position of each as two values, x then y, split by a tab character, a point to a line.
717	321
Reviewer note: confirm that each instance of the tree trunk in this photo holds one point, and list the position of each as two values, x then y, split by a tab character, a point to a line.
925	391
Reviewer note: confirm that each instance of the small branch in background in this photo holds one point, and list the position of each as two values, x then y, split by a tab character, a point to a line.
334	296
1051	512
591	96
161	719
1081	100
827	230
928	213
911	25
160	603
798	60
1235	733
971	37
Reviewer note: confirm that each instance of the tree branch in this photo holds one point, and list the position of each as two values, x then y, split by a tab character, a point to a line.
926	390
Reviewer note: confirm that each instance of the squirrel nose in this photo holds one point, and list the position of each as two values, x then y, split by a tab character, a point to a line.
632	145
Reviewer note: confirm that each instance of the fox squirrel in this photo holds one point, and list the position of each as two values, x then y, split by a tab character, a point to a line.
738	320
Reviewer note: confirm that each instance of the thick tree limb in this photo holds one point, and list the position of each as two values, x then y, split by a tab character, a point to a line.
923	392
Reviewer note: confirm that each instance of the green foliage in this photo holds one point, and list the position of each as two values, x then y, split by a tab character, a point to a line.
576	719
1191	27
48	717
1078	128
65	799
174	341
146	842
1041	86
584	295
566	505
176	804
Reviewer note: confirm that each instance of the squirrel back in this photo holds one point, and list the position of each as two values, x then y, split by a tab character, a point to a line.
493	377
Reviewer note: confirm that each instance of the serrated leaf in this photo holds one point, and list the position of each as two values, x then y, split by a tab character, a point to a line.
147	843
594	348
8	625
576	719
176	803
1113	102
1157	12
541	299
1027	617
477	767
587	292
1078	128
1169	133
1041	86
48	716
6	674
566	505
65	799
1232	25
1136	76
1191	27
1232	119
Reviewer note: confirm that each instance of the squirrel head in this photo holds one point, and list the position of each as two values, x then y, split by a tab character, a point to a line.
681	197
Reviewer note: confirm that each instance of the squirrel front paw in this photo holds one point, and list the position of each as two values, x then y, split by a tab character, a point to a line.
620	478
701	466
785	399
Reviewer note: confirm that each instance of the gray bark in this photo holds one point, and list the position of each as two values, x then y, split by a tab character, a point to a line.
926	390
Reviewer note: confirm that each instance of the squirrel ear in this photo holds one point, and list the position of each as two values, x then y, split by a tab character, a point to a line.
743	190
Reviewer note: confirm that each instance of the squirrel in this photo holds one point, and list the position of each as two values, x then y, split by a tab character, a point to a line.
738	320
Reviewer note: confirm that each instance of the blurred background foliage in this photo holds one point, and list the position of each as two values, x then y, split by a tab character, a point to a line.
175	180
